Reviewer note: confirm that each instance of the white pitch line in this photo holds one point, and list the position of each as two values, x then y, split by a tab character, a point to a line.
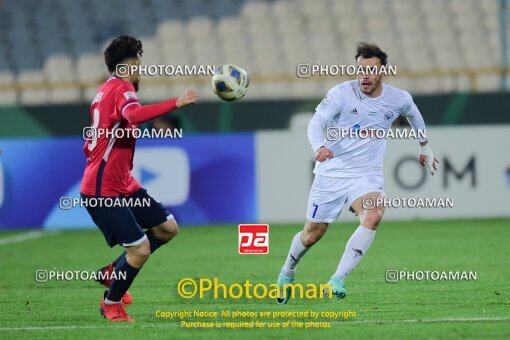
171	324
29	235
428	320
50	328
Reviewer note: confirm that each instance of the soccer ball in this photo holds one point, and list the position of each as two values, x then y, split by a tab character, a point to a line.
230	82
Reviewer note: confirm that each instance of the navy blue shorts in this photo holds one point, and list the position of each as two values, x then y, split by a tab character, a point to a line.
123	225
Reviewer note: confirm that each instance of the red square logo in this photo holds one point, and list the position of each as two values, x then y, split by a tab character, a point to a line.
253	239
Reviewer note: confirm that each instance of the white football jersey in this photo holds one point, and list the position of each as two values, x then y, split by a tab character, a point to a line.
346	108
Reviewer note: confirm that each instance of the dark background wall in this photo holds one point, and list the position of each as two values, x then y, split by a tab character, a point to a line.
69	120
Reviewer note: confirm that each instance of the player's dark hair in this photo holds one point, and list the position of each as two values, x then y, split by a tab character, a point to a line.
368	50
120	49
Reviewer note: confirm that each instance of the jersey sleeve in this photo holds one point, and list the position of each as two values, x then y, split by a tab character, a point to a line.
414	117
408	105
330	106
125	96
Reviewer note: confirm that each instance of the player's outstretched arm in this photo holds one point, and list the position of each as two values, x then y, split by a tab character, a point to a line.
137	114
324	112
187	98
427	158
417	123
317	140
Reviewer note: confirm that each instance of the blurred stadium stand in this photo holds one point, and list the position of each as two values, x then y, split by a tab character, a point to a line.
52	49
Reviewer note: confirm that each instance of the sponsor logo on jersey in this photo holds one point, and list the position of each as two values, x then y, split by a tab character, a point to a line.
130	95
354	111
325	101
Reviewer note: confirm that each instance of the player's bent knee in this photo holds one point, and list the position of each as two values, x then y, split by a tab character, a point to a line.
139	254
144	251
310	240
173	228
166	231
312	235
372	219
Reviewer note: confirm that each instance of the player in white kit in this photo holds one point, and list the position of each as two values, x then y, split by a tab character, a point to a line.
349	170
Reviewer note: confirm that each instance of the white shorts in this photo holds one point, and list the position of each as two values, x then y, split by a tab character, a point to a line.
329	194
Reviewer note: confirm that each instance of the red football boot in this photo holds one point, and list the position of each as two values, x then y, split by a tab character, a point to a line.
114	313
105	279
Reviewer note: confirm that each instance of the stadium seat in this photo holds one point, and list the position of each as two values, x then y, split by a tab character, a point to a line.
263	36
255	9
91	68
33	89
401	82
64	95
369	8
59	68
284	8
151	51
169	29
256	90
230	24
307	88
199	27
8	94
88	94
489	6
314	9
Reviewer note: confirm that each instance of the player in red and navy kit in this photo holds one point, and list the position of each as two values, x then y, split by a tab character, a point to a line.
108	173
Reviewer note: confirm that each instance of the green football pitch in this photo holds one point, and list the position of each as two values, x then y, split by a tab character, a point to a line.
406	309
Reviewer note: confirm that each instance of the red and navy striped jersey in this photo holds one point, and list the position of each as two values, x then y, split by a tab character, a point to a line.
110	159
